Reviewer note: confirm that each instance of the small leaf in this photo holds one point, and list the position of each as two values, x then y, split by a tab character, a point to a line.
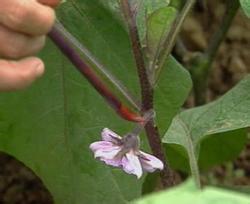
229	113
158	24
245	4
187	193
146	8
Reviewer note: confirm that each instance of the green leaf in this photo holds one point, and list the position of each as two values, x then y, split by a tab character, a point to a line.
150	183
177	157
245	4
158	25
219	120
239	188
211	147
188	194
140	8
144	9
178	4
152	5
50	125
170	94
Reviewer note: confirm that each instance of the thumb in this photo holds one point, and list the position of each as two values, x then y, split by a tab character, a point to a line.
16	75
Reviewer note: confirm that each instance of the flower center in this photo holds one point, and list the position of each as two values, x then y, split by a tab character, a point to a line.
130	142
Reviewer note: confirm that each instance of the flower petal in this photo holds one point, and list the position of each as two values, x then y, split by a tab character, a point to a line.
149	162
100	145
116	162
110	136
131	164
107	153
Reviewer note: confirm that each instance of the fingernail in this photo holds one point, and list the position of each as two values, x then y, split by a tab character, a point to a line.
39	69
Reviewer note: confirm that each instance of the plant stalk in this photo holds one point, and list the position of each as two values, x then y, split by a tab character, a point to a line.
220	34
202	64
152	132
170	39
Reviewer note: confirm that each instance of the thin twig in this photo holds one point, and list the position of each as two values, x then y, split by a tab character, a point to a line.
153	136
180	50
170	39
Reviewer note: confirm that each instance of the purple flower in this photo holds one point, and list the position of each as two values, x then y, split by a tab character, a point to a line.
124	152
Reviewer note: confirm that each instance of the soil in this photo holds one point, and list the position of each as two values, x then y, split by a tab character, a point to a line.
230	66
19	185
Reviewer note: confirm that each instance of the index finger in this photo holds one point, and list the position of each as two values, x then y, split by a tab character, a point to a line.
51	3
27	16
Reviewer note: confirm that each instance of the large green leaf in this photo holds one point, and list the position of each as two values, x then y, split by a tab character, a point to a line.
216	128
50	125
233	143
245	4
187	193
170	94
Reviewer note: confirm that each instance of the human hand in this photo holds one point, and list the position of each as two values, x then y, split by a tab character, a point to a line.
23	26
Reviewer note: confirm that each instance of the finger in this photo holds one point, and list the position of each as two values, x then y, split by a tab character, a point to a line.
16	45
51	3
26	16
17	75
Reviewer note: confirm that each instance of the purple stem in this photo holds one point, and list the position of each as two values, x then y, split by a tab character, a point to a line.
67	49
147	94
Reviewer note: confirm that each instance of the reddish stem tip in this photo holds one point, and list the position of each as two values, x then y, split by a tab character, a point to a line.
127	114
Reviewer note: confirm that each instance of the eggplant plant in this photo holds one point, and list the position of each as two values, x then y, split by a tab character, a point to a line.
106	123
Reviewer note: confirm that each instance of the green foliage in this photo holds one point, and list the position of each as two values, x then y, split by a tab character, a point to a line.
158	25
50	125
212	152
187	193
149	6
150	183
245	4
240	189
167	102
219	120
141	9
177	4
144	10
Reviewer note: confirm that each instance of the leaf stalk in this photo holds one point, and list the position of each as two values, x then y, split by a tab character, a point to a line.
170	39
65	46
